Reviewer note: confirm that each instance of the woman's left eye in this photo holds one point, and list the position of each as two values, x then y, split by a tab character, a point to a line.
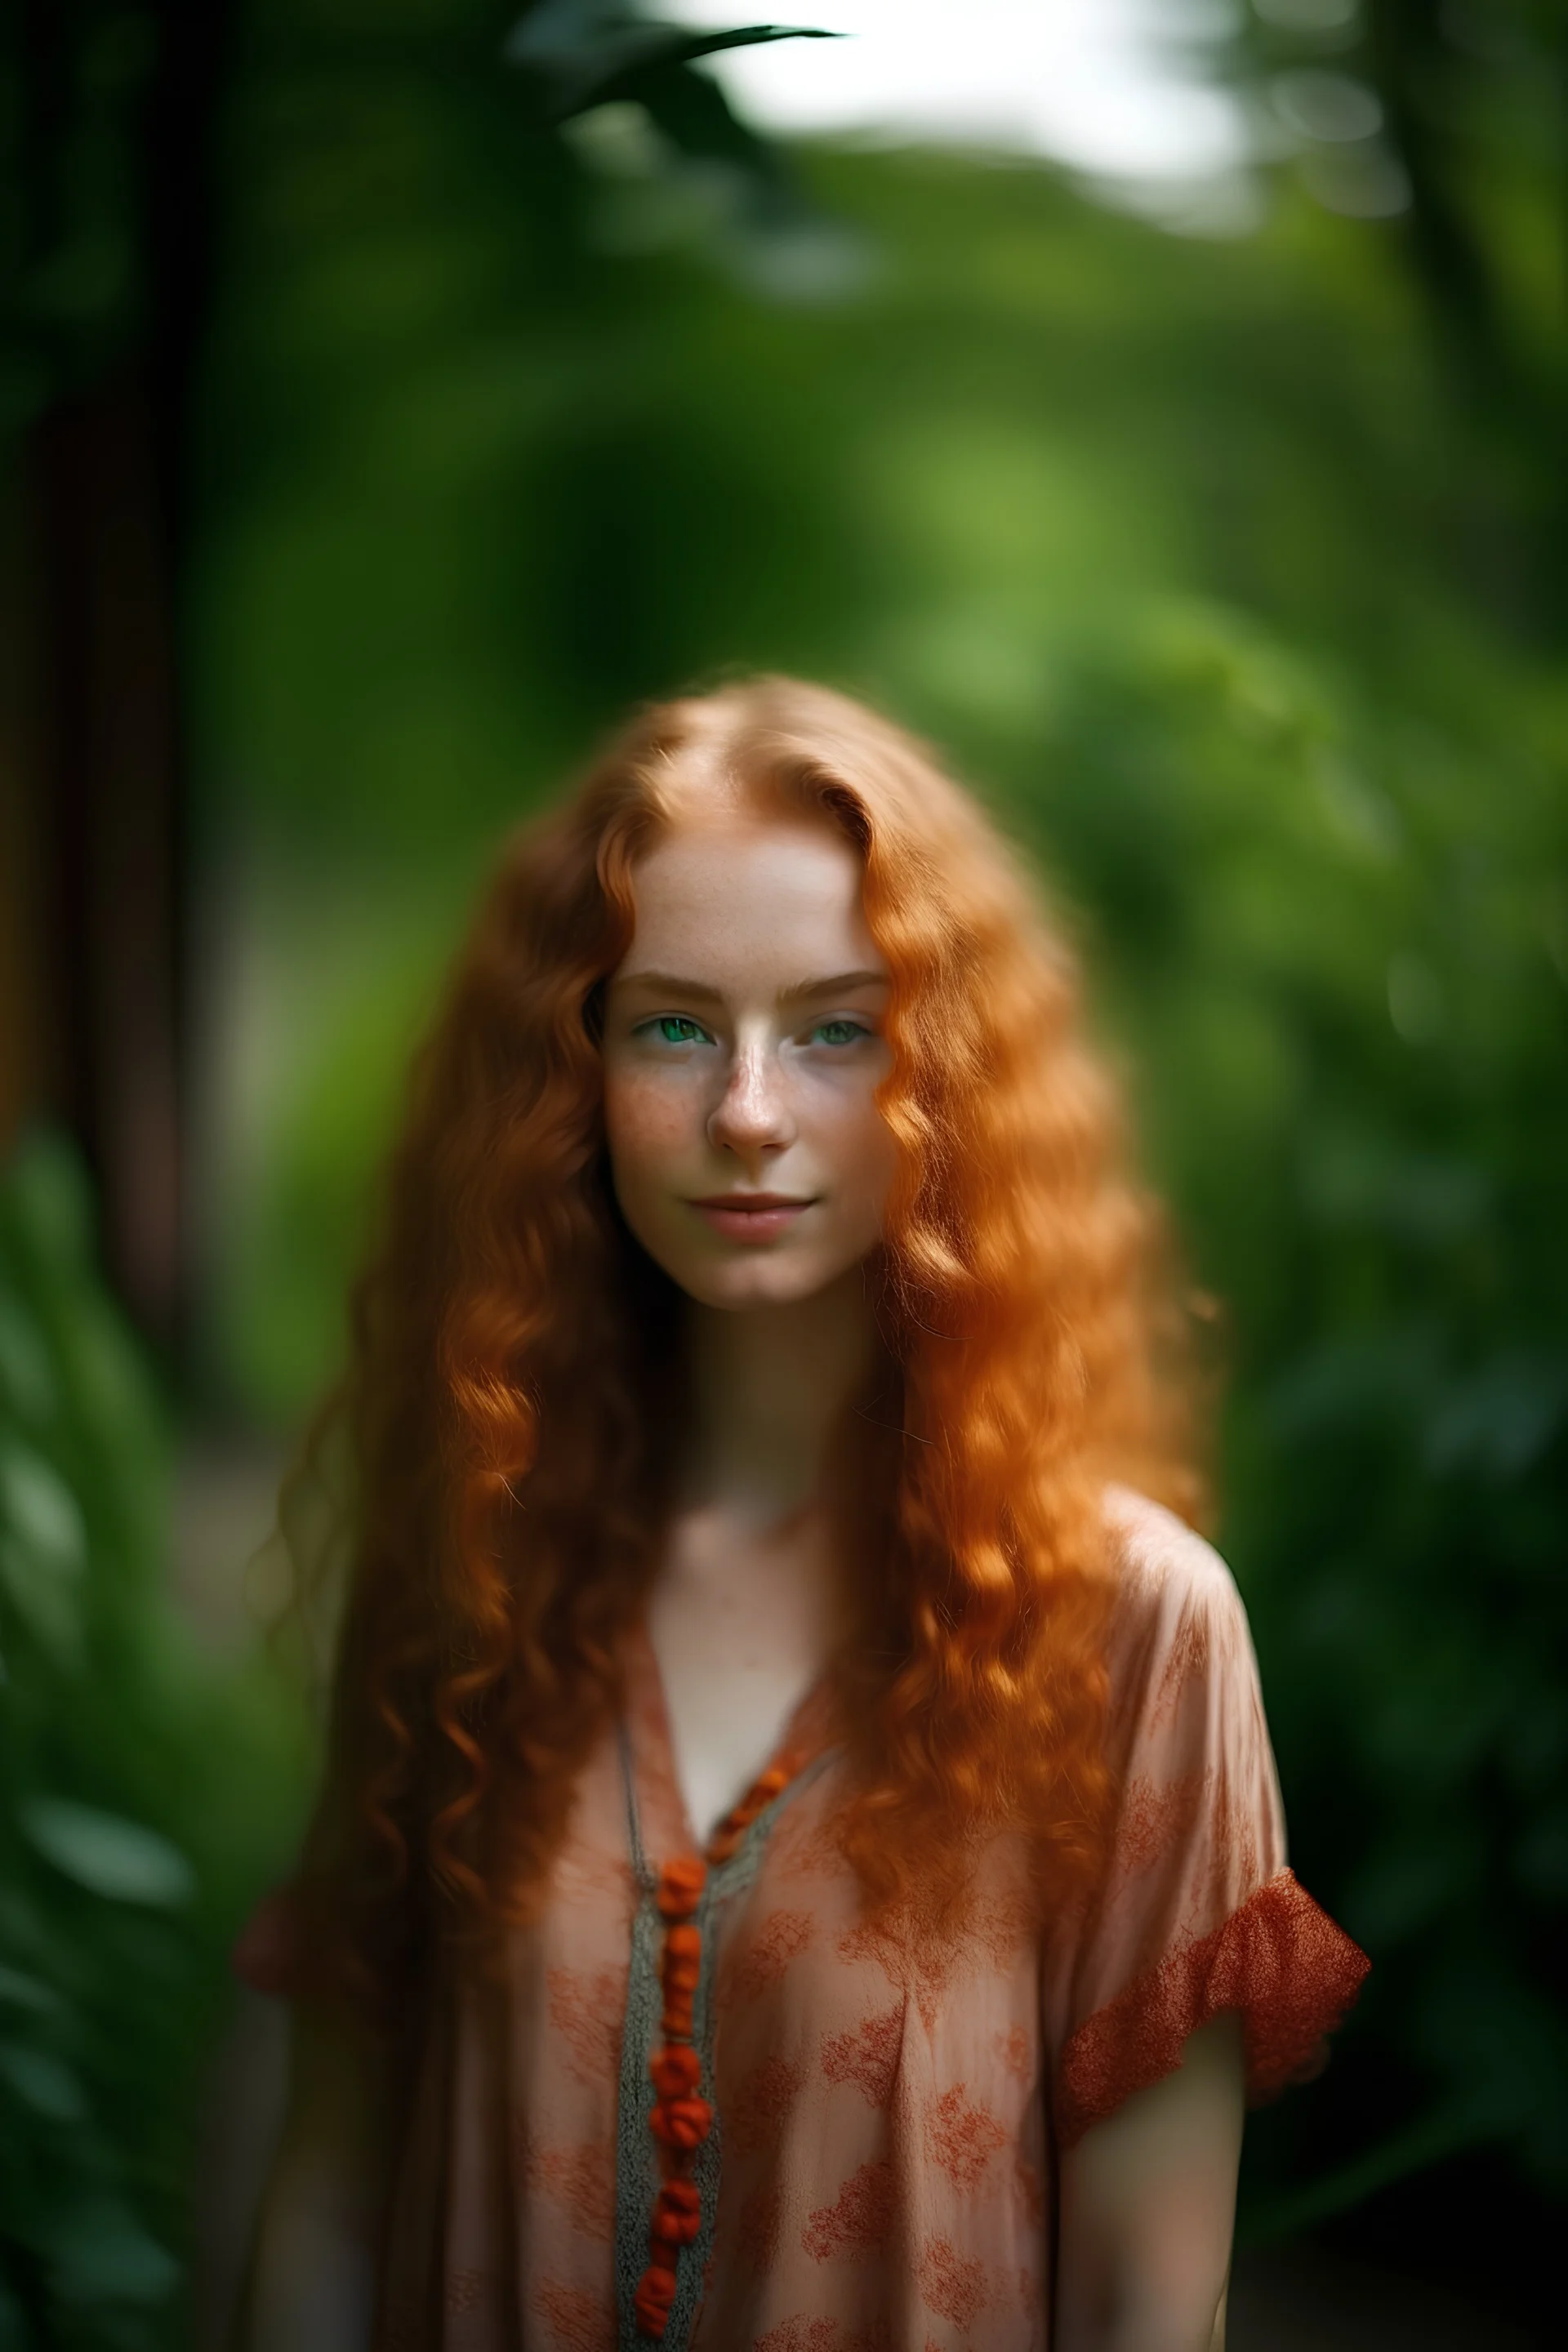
839	1033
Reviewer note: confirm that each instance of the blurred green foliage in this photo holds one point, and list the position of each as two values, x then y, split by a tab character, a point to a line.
1332	932
144	1791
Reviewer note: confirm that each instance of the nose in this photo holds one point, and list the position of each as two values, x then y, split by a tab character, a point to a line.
752	1116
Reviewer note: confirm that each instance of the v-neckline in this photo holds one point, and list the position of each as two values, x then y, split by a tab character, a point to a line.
805	1732
666	2169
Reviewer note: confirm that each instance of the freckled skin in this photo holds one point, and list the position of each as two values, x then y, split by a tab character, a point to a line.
736	1082
738	1086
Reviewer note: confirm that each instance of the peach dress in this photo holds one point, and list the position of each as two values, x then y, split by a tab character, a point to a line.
713	2108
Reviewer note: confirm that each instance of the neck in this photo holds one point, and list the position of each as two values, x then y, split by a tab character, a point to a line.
768	1387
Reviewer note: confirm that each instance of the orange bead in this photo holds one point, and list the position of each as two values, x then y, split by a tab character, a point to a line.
678	2213
683	1943
680	1975
768	1784
681	2123
680	1885
723	1844
655	2293
675	2069
676	2020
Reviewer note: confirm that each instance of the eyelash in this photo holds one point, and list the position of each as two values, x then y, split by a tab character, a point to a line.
684	1021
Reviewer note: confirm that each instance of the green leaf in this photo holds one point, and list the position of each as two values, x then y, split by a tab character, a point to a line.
42	1547
26	1992
42	1511
583	53
46	1603
46	1193
102	2254
16	2336
107	1856
42	2081
1444	2132
26	1376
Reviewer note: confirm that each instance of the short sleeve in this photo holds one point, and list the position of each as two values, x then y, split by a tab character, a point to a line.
1197	1912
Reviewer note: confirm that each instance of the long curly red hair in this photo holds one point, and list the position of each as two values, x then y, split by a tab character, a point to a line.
508	1405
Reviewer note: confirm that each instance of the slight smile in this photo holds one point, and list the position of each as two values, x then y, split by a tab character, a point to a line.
750	1216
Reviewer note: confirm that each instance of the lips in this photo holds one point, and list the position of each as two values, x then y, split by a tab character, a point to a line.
752	1203
752	1217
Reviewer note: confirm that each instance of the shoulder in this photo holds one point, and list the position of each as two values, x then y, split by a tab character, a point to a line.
1156	1555
1175	1599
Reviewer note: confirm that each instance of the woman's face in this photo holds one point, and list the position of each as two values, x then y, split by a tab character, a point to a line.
742	1046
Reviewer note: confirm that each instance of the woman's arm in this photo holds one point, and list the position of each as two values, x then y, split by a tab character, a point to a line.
311	2282
1148	2203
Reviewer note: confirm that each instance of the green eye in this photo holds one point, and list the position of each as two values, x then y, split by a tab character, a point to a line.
675	1029
840	1032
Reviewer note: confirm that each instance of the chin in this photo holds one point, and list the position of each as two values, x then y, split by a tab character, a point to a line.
759	1283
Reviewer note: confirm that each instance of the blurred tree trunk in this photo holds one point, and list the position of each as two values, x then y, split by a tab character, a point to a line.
110	785
102	819
117	111
1476	94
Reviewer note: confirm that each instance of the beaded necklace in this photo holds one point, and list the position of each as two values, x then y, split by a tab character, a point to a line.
667	2137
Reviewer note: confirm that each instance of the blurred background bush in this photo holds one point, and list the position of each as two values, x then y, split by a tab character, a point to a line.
389	396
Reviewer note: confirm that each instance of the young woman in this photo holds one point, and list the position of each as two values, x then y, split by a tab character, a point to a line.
801	1867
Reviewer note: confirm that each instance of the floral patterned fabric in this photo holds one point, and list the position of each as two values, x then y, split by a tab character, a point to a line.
891	2099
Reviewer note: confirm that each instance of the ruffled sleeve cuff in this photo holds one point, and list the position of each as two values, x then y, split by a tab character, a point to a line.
1279	1960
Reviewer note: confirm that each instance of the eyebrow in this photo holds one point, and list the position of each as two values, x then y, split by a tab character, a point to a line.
698	991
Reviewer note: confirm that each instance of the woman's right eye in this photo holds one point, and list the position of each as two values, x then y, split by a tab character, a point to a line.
676	1029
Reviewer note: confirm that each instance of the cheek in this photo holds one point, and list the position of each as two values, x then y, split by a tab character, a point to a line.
865	1154
645	1124
880	1157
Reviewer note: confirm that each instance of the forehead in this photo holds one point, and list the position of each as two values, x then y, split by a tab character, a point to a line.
750	894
